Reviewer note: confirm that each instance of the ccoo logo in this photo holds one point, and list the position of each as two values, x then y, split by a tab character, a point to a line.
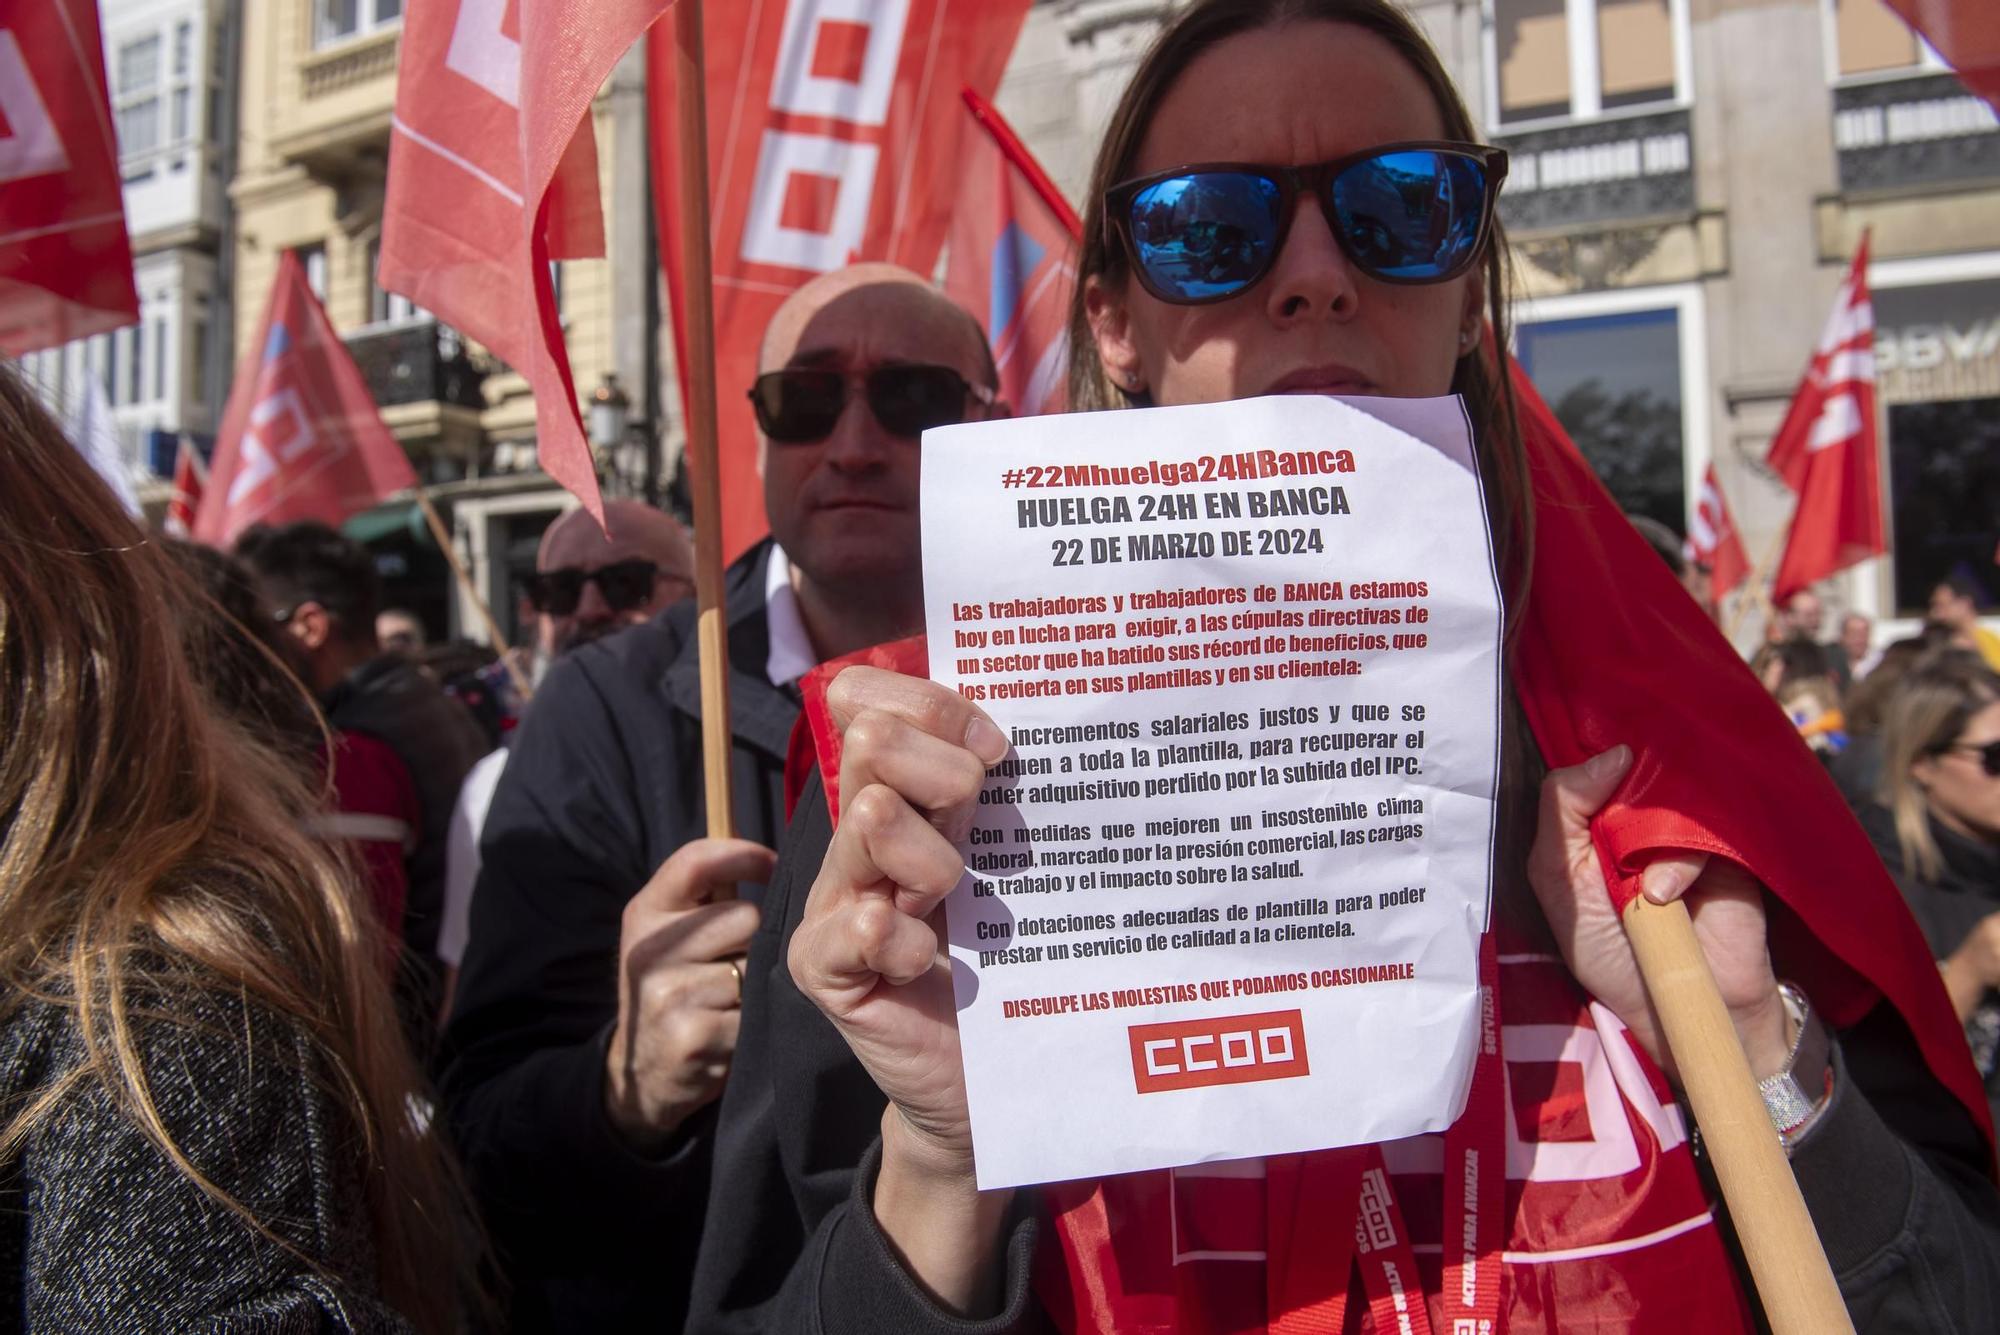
1221	1050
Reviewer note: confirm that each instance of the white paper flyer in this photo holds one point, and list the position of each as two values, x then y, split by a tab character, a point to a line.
1224	896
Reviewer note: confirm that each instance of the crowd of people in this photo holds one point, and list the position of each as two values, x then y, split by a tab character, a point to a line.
352	987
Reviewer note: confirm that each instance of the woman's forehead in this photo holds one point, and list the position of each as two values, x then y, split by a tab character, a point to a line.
1298	92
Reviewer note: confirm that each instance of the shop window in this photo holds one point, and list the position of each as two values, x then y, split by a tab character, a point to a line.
1614	381
1937	366
1580	58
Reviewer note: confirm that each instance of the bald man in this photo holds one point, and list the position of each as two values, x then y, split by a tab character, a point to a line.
597	1008
588	581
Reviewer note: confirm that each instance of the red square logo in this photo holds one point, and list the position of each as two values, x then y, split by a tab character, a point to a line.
840	50
1223	1050
809	203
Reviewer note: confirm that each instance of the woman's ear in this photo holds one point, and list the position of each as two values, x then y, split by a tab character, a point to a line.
1111	327
1472	319
1923	773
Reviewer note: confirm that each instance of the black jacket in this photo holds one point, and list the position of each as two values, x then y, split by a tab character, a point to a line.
1948	906
604	782
1892	1174
101	1231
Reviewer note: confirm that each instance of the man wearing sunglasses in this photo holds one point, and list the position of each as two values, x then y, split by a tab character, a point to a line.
596	1013
587	583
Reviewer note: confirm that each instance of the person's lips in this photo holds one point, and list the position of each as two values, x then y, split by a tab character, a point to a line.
1331	378
881	504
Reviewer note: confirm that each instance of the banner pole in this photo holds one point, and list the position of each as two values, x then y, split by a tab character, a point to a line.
697	371
1754	586
1780	1244
471	591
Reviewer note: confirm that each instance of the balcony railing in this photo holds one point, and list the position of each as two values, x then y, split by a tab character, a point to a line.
1905	134
1612	170
416	361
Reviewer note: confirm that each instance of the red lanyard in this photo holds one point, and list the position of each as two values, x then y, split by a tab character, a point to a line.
1309	1266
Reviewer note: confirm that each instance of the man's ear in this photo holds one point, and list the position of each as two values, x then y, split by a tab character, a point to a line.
312	624
1111	328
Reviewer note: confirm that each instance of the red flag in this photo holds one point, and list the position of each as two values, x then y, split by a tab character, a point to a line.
1611	652
190	481
1012	259
300	437
493	173
833	134
1966	33
1826	448
1713	541
65	258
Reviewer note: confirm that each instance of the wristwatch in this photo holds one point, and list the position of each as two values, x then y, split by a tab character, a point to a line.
1798	1093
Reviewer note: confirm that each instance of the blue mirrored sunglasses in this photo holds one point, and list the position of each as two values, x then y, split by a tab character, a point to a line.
1403	213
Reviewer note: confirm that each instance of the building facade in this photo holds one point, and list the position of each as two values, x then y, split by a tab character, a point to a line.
172	71
1689	181
321	78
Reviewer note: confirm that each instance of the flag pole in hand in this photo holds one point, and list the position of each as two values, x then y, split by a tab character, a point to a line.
698	382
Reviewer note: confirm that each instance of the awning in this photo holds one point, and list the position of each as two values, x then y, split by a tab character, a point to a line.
389	520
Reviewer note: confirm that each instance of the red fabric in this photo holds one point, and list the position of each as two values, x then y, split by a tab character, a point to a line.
1826	449
190	480
1713	540
65	258
1011	259
493	174
301	437
369	779
1966	33
848	153
1610	651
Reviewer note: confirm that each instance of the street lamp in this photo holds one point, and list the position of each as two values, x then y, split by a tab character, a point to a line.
610	411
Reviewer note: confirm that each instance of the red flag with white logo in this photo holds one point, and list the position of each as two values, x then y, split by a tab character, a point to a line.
834	134
65	258
1011	259
190	480
1966	33
493	173
1826	448
301	437
1713	541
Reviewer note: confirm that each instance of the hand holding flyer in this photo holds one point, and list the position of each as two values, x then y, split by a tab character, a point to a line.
1224	897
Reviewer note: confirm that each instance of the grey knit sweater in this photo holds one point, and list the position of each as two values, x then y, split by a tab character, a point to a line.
100	1231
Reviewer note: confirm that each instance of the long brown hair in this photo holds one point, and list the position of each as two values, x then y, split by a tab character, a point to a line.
1488	393
1932	705
152	854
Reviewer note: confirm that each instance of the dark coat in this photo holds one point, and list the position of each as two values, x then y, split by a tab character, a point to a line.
603	783
1893	1174
101	1231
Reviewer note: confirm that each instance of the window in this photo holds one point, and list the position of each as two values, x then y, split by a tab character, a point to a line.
313	259
197	361
1871	38
138	98
159	360
139	65
384	305
135	366
1937	366
183	48
1615	381
110	359
337	20
1580	58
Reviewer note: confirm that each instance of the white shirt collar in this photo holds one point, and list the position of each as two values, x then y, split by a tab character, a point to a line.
791	651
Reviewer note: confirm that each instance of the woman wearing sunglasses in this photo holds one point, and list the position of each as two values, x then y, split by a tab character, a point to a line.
1937	826
1289	198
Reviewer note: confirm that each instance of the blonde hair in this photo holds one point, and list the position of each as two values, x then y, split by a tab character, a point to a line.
151	852
1928	714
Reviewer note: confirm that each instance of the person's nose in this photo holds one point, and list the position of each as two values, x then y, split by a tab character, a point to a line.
858	443
1312	279
591	607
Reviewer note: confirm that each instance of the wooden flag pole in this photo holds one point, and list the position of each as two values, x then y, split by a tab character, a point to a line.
1754	586
1782	1248
697	371
471	591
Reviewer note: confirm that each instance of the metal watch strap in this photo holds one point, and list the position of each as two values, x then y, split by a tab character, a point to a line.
1796	1094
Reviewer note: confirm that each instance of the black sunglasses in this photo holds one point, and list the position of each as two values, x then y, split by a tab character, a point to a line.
1988	753
1417	212
625	585
798	405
